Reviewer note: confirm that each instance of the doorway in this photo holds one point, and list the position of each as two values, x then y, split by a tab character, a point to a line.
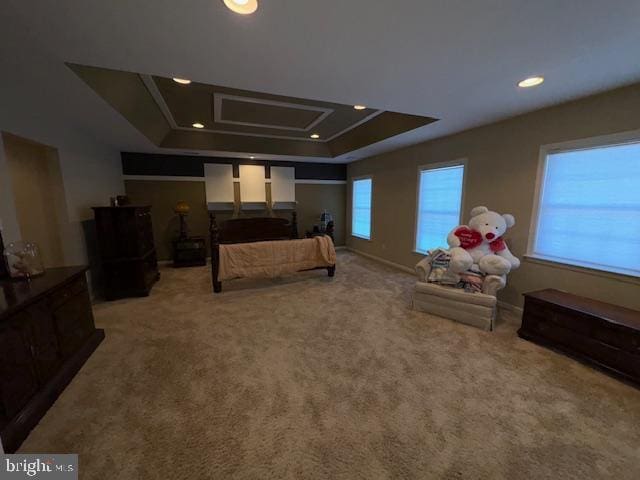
38	193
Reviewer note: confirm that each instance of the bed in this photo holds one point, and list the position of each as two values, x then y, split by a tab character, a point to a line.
265	247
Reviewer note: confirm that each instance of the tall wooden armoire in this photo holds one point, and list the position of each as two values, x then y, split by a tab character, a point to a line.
127	250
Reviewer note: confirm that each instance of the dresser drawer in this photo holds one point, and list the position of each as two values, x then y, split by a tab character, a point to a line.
539	312
583	346
575	321
618	337
70	290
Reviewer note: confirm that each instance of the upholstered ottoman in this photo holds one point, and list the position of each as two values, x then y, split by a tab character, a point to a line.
476	309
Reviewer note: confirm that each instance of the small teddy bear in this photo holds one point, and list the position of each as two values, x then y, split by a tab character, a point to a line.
480	243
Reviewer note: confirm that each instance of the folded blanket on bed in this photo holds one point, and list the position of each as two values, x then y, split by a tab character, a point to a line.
274	258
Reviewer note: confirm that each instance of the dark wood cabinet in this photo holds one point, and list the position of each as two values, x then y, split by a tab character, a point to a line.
18	382
127	250
603	335
46	334
44	341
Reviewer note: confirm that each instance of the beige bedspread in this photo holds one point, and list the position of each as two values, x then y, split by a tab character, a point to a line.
274	258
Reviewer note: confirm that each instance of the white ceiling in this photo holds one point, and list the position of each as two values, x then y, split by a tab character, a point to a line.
457	60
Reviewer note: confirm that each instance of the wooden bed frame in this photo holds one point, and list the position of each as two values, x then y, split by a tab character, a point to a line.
248	230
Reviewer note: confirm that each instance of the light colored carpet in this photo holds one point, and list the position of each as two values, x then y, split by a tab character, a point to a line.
314	378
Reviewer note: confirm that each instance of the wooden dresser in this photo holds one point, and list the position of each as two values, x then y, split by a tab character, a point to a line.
46	334
603	335
127	250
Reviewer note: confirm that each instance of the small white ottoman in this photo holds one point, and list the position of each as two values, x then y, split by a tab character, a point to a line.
476	309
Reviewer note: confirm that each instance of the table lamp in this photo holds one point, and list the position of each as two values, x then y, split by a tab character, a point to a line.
182	209
325	218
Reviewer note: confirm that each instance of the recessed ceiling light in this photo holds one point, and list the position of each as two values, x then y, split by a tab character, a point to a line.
315	135
197	125
182	81
243	7
359	107
252	157
531	82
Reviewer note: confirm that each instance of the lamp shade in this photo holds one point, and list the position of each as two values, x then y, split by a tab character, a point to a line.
182	208
326	217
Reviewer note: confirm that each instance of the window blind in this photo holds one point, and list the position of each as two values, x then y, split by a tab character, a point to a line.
439	203
361	208
589	210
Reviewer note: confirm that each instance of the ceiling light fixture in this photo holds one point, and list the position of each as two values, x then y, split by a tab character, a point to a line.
359	107
530	82
197	125
243	7
182	81
252	157
315	136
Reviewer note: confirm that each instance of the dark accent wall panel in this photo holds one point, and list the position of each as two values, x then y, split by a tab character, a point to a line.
317	171
193	166
161	165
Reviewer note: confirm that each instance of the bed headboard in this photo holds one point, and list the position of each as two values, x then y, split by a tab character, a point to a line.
258	229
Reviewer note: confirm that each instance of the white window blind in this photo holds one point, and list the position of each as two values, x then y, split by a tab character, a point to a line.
439	203
361	205
589	209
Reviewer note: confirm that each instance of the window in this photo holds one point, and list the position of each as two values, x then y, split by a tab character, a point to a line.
361	205
439	203
589	208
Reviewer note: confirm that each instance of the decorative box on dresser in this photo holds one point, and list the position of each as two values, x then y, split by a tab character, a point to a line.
603	335
127	250
47	332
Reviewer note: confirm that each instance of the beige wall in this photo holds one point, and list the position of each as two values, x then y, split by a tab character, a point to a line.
36	184
313	199
163	195
501	174
91	168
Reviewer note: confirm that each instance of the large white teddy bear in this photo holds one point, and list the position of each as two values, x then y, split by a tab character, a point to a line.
480	243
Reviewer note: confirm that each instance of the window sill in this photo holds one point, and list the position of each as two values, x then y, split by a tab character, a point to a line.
361	238
554	263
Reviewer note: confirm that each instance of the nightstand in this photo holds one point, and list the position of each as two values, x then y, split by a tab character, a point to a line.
189	252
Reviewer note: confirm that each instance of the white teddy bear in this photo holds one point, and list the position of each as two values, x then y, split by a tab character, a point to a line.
480	243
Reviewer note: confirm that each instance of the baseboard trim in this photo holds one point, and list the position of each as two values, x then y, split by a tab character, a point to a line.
511	308
382	260
514	312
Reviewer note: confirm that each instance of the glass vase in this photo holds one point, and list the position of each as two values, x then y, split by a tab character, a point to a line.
23	259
